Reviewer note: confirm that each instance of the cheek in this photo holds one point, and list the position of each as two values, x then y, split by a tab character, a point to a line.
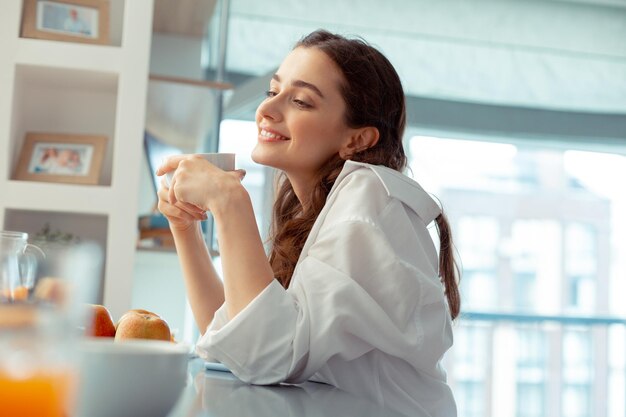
324	141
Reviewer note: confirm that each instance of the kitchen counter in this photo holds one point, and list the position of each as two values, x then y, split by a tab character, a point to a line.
221	394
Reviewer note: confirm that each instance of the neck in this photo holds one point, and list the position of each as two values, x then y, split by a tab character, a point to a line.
302	188
303	185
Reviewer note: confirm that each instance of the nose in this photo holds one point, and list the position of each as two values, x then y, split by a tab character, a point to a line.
270	109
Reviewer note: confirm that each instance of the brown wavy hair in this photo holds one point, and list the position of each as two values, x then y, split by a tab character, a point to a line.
374	96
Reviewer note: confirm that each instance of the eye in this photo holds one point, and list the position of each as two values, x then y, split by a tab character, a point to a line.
301	104
270	93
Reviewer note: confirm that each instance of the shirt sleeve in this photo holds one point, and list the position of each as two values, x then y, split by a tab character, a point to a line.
349	294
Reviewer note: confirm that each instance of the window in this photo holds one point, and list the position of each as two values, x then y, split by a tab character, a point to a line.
577	373
581	266
469	396
534	258
525	294
542	242
530	399
478	243
531	386
472	368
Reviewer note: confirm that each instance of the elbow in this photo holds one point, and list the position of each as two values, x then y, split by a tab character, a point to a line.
269	369
260	376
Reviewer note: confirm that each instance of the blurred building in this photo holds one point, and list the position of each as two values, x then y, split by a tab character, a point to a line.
535	245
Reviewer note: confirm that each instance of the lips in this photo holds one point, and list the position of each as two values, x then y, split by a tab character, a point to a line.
271	136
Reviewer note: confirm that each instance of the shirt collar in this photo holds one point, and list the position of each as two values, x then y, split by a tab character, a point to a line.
398	186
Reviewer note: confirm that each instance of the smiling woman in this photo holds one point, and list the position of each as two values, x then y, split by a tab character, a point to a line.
364	301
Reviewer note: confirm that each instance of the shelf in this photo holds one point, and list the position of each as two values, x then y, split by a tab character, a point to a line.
63	79
84	227
54	54
78	89
158	249
69	198
213	85
89	106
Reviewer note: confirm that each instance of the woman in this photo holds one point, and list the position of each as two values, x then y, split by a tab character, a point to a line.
353	294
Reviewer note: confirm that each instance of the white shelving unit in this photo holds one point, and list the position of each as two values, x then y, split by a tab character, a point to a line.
65	87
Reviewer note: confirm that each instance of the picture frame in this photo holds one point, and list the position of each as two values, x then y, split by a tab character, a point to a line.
63	158
85	21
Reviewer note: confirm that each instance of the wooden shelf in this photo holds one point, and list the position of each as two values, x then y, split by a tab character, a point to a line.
215	85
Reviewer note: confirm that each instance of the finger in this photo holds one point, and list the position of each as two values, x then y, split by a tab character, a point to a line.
163	192
239	173
194	215
171	211
163	204
191	208
164	185
171	195
170	164
163	195
197	215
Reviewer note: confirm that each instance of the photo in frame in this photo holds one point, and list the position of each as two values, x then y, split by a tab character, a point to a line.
84	21
64	158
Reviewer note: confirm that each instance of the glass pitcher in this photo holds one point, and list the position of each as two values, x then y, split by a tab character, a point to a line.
41	363
18	265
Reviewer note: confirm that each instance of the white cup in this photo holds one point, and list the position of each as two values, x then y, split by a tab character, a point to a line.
224	161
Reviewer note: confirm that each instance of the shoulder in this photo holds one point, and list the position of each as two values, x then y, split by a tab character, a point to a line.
368	189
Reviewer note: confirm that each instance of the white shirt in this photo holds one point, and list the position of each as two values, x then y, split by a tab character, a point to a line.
365	310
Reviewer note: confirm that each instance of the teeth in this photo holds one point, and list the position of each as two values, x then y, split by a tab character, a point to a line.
272	135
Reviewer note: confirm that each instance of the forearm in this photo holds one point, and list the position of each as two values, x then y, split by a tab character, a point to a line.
203	286
244	263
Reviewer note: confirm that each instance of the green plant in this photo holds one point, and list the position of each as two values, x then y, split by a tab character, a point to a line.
47	235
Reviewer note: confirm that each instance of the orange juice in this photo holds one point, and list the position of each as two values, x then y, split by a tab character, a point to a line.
20	293
40	395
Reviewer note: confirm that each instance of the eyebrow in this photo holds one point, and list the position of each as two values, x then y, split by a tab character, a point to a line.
302	84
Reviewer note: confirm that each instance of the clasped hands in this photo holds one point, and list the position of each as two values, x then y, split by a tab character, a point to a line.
196	187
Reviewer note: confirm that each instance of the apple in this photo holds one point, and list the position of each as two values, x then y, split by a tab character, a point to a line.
100	323
142	324
140	311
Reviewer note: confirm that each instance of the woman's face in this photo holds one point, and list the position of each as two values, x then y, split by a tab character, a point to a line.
301	122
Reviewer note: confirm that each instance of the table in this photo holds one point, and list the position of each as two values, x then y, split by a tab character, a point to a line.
221	394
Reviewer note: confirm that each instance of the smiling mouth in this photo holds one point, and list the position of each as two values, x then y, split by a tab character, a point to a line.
272	136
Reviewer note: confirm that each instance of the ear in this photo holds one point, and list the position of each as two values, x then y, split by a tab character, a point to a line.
361	139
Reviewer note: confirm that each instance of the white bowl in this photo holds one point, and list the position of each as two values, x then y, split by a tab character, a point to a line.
132	378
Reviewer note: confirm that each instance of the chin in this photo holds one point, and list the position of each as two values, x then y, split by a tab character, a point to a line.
262	158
